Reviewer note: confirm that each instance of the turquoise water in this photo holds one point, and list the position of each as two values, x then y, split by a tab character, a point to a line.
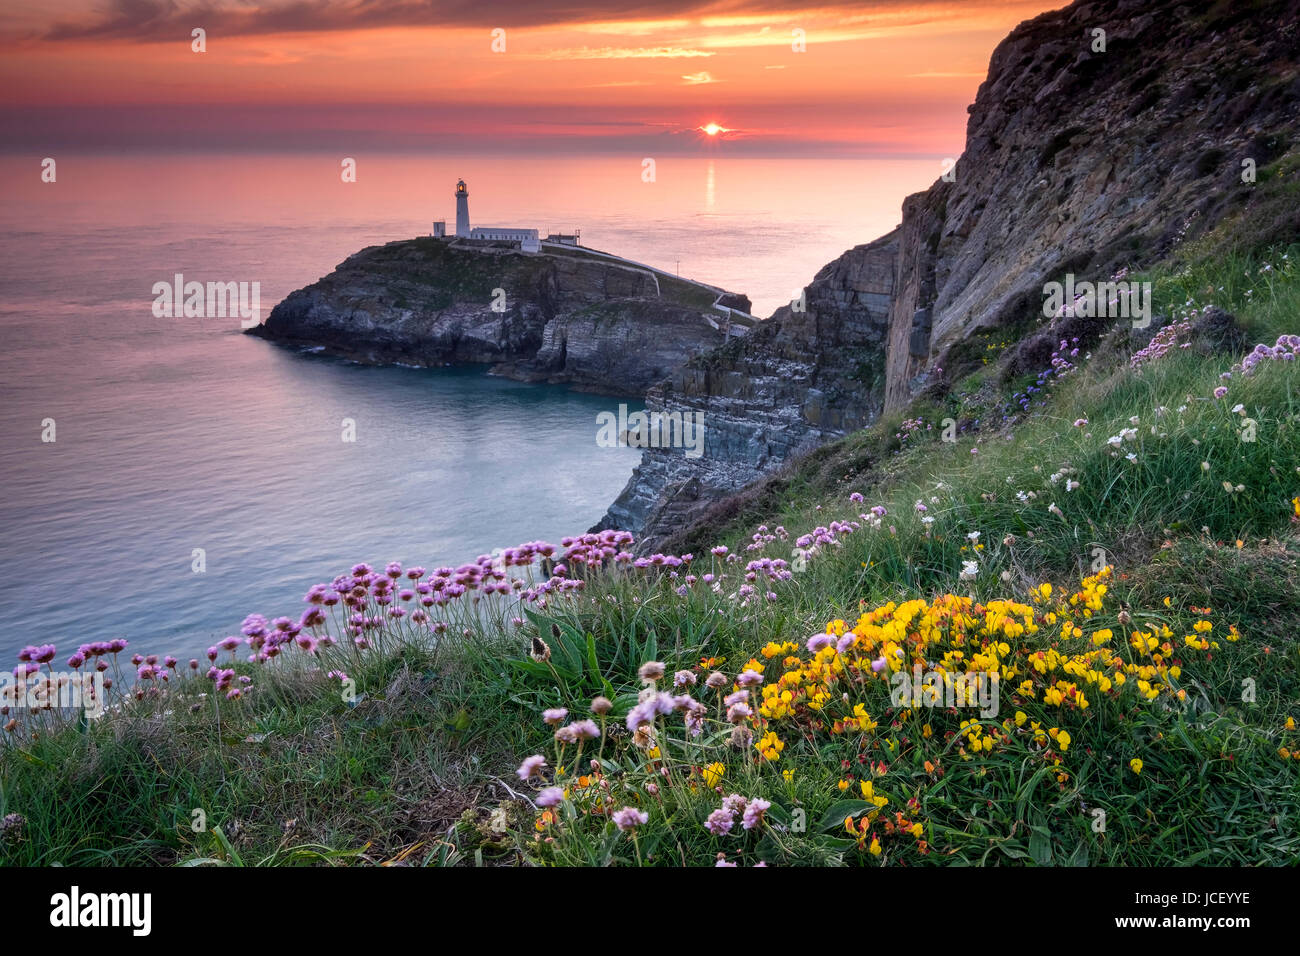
180	434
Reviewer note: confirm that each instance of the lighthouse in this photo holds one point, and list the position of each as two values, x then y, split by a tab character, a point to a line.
462	209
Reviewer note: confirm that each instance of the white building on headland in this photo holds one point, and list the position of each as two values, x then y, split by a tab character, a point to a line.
527	239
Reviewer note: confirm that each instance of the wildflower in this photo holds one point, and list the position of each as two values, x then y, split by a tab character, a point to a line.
585	729
770	746
684	679
1135	765
713	774
531	767
651	671
541	651
738	712
555	715
717	680
754	811
550	797
739	697
601	706
629	817
819	641
1221	391
720	822
969	569
734	803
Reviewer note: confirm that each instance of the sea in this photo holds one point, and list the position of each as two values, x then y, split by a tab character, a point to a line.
196	474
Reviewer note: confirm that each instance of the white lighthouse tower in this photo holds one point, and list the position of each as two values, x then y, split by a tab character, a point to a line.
462	209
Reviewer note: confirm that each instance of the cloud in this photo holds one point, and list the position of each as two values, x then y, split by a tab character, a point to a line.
166	20
698	79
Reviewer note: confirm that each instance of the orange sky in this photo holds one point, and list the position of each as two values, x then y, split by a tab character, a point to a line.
885	78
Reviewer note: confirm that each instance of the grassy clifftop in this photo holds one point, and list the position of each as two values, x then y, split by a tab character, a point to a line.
1115	535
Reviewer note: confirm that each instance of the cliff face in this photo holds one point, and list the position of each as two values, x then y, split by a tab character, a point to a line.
563	317
805	375
1077	160
1084	161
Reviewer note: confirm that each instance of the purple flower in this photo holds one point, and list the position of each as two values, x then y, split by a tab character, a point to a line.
648	709
684	679
566	735
41	654
531	767
754	813
819	641
739	697
734	803
651	671
720	822
629	817
738	712
554	715
748	678
585	729
550	797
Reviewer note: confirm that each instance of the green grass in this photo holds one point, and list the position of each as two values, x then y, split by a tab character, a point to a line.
419	769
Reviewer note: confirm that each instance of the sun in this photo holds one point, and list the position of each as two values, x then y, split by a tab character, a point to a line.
713	130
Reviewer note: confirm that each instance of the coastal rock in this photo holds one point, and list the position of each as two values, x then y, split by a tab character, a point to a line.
810	372
1088	161
564	317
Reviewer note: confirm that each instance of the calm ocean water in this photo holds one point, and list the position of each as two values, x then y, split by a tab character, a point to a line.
180	434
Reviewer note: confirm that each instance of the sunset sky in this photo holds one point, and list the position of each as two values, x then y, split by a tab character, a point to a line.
888	78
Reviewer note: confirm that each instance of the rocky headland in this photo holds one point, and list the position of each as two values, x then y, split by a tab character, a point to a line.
565	315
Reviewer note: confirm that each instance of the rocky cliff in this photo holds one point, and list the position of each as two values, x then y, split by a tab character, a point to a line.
1105	135
811	372
562	316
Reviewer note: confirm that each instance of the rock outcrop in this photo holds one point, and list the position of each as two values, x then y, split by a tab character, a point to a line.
1085	158
811	372
1106	134
567	316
